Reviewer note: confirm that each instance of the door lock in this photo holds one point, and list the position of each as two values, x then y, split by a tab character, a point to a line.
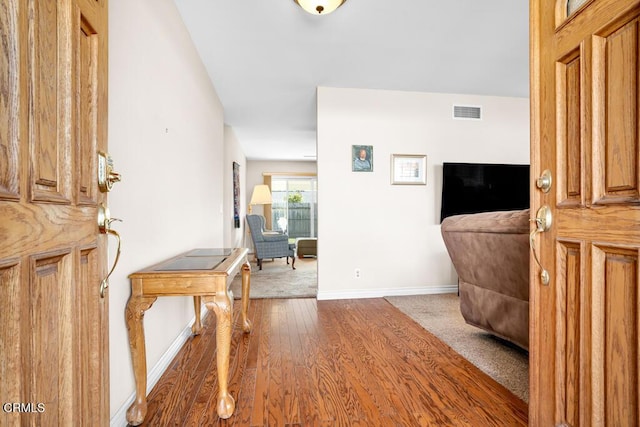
104	225
544	181
106	175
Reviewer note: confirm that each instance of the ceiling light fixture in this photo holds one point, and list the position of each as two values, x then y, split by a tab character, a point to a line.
319	7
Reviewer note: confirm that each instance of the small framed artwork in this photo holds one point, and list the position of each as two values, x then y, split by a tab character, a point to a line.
409	169
362	158
236	195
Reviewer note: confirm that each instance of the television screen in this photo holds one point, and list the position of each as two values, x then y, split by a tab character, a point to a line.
482	187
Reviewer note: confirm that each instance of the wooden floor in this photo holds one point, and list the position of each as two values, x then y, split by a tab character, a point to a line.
331	363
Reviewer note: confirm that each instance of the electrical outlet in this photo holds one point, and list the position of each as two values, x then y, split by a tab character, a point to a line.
357	273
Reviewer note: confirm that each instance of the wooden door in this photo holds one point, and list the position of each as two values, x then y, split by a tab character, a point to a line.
53	108
585	129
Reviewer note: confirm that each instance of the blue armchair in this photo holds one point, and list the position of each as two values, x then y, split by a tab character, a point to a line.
269	244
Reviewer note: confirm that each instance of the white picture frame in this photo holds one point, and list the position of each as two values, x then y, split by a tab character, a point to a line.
408	169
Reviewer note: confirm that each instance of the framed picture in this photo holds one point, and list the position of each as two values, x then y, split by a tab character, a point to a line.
409	169
236	195
362	158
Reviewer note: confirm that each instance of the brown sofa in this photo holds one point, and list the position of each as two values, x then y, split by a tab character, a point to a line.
490	253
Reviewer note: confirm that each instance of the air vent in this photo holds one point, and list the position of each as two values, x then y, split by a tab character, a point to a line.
467	112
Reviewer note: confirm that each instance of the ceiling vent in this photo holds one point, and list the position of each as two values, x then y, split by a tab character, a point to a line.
467	112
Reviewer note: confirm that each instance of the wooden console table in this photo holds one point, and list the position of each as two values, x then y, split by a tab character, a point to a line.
205	274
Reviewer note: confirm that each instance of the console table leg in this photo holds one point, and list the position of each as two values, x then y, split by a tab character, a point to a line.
221	304
134	314
246	286
197	305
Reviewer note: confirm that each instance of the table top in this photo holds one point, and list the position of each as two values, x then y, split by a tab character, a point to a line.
197	261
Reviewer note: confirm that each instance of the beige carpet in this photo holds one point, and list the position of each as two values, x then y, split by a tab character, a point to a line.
279	280
440	315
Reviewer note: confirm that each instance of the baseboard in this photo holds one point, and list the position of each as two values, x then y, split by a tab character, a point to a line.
385	292
119	419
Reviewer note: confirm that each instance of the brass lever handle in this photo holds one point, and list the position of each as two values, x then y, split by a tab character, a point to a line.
105	282
543	223
544	274
104	225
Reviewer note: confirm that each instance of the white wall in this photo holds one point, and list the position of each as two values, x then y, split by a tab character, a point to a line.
233	153
392	232
166	136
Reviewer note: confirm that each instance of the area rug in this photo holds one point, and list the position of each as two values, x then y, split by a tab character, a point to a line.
279	280
440	315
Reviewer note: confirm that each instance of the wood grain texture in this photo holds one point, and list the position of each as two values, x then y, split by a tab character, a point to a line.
615	92
25	226
51	257
568	333
49	73
621	56
9	101
86	132
584	330
10	346
620	349
569	134
330	363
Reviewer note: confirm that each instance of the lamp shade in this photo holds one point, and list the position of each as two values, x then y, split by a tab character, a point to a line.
319	7
261	195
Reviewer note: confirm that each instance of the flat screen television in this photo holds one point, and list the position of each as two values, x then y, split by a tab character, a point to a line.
483	187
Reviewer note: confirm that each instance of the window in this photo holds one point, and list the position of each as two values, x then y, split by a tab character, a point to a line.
573	5
295	205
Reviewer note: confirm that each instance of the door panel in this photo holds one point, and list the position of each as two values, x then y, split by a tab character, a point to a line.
617	122
615	335
53	322
569	306
48	364
48	116
10	343
584	328
9	102
571	150
87	93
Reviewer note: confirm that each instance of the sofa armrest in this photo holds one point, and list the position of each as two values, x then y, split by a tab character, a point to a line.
509	222
491	250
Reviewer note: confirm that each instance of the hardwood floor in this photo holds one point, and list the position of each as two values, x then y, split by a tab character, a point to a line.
331	363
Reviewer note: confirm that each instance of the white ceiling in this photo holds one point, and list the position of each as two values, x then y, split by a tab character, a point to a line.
266	58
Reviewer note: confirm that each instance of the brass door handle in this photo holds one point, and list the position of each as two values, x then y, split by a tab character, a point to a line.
104	225
543	222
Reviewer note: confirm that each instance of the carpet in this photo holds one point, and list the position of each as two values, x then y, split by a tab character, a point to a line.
440	315
279	280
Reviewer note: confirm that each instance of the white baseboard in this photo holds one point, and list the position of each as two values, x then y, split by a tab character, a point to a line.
119	419
386	292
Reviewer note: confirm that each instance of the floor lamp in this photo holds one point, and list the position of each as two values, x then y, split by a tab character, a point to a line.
261	196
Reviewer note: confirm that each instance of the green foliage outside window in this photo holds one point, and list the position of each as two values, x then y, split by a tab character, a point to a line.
295	197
